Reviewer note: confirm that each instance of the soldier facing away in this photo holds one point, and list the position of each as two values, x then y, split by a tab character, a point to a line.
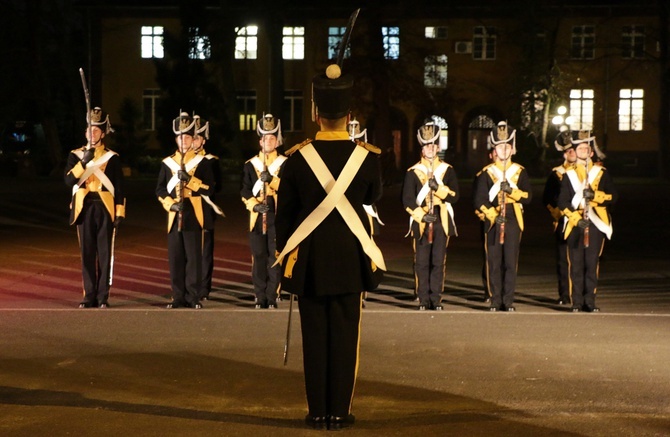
327	252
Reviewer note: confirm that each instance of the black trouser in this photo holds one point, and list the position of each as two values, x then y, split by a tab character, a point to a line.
583	262
330	342
94	229
264	277
562	271
502	261
429	266
207	261
185	259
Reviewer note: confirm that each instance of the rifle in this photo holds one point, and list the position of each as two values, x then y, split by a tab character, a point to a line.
587	206
431	226
180	213
502	203
265	192
87	96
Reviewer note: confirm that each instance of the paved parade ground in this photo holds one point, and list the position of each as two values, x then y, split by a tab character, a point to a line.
138	369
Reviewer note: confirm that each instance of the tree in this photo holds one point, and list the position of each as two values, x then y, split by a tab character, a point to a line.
129	139
190	83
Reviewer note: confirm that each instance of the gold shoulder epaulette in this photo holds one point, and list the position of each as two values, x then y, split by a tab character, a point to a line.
297	147
485	169
369	147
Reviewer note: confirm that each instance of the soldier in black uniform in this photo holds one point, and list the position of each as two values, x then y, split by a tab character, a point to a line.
181	183
327	253
430	183
552	187
261	178
587	191
210	209
502	182
98	205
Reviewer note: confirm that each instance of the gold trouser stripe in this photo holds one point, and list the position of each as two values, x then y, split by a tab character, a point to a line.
358	348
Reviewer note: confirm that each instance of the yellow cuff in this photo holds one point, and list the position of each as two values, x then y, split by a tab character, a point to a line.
274	183
490	213
556	213
120	210
600	197
167	202
195	184
443	192
417	213
518	194
250	203
78	170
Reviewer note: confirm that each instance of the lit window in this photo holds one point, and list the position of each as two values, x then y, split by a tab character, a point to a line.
436	32
391	41
293	104
246	42
152	42
435	71
200	46
335	35
581	109
484	43
293	43
482	122
583	42
632	42
246	109
150	98
631	109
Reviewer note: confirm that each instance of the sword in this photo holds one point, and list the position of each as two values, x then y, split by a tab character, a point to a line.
111	260
288	329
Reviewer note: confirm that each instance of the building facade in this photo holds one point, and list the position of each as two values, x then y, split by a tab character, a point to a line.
469	70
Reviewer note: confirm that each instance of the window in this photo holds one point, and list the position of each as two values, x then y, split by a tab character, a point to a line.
293	43
152	42
335	35
631	109
293	103
391	41
632	42
581	109
246	42
200	46
484	43
435	71
436	32
583	42
246	109
150	98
